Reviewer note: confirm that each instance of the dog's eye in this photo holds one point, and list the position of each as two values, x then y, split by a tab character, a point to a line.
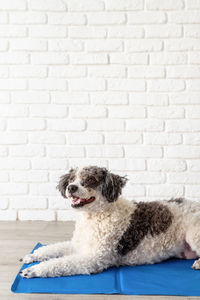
91	180
72	178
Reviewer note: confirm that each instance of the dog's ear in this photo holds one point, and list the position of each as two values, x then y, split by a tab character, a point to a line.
64	182
112	186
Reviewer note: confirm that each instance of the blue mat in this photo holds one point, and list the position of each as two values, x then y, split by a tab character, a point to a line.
172	277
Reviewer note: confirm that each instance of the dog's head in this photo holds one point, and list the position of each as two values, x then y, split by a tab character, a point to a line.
91	187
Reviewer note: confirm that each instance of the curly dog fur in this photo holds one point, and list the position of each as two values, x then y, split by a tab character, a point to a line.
111	231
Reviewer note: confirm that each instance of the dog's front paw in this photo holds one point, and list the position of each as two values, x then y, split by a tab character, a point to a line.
29	272
196	264
29	258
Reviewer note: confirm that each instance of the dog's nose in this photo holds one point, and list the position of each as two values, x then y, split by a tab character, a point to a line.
72	188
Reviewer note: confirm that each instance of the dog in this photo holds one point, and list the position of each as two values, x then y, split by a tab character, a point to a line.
112	231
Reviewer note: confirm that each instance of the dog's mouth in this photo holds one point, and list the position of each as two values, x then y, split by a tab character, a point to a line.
79	202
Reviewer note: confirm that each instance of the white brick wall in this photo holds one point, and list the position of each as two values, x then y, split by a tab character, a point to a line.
108	82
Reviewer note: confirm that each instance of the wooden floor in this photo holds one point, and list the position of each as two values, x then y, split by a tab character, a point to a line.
18	238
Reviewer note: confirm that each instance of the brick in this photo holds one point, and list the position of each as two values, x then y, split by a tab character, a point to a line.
36	215
144	125
67	215
183	72
49	164
104	45
27	17
133	190
106	18
143	45
107	98
13	58
30	176
184	17
162	138
87	5
66	151
13	139
67	71
163	31
125	32
4	72
8	215
30	97
10	5
168	58
46	5
3	45
45	110
164	5
184	98
191	138
146	72
129	59
26	124
87	32
165	190
11	110
13	188
48	31
3	18
107	71
28	45
105	125
3	151
3	203
123	138
130	111
87	84
166	112
126	85
166	165
143	151
26	151
183	125
2	124
146	17
88	59
147	177
12	31
4	97
194	58
65	45
48	84
43	189
82	162
182	151
193	165
192	31
49	58
104	151
66	18
69	98
87	112
84	139
14	164
66	125
192	191
193	4
184	178
28	71
58	203
127	164
149	99
165	85
47	138
185	44
4	177
28	203
126	5
193	112
193	85
12	84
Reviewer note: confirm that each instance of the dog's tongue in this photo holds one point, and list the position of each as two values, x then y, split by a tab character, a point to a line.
76	199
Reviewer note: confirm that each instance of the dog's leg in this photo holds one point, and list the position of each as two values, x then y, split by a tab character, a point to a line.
64	266
50	251
193	239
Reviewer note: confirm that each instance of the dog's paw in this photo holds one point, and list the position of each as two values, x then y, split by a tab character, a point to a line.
29	273
196	264
29	258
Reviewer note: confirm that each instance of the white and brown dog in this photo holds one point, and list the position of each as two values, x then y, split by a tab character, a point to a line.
111	231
